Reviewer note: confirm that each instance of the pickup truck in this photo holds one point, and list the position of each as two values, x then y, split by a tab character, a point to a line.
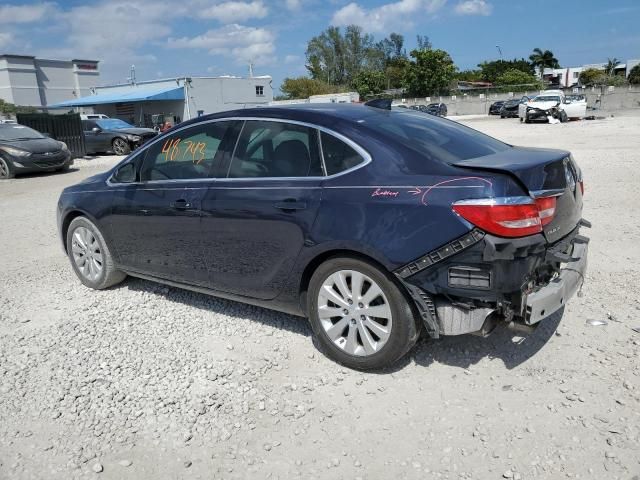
552	104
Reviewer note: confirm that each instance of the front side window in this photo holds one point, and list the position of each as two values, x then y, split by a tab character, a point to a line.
186	154
276	149
338	156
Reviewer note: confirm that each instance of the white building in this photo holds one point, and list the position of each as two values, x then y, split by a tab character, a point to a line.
39	82
568	77
176	98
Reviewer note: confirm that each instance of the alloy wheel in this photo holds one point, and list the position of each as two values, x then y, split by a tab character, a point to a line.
4	168
354	312
87	254
119	146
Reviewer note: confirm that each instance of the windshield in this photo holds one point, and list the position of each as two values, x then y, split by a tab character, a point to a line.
112	124
438	139
546	98
18	132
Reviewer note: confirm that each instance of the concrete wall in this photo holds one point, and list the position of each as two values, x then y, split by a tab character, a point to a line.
35	82
620	98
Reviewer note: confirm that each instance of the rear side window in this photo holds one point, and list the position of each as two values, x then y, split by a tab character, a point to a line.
338	156
435	138
186	154
276	150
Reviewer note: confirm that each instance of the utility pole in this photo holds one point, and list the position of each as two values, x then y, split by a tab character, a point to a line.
499	51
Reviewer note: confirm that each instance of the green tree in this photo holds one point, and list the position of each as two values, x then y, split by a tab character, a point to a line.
470	76
543	59
369	82
423	42
490	71
611	65
592	76
518	78
634	75
304	87
431	72
396	71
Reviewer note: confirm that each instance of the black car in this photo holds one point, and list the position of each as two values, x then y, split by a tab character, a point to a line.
437	109
375	223
494	108
510	107
114	135
24	150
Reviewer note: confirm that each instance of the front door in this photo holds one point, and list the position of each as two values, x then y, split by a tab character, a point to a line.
95	141
155	223
257	219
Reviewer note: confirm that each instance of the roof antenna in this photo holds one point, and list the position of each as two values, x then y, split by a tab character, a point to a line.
382	103
250	69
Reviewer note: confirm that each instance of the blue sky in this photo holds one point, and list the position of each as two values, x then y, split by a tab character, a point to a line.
166	38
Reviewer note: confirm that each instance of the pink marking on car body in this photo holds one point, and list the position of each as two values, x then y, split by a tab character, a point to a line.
423	200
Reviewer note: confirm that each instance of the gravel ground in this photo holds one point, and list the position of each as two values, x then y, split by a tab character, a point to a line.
144	381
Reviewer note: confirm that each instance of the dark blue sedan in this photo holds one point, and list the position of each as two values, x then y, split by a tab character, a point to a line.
374	223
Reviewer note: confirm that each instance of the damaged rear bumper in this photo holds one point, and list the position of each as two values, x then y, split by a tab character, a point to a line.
553	296
470	284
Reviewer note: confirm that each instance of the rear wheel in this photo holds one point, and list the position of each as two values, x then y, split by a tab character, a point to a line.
6	170
121	146
359	315
90	257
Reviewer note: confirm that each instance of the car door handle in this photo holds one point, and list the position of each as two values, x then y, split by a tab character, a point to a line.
180	205
290	205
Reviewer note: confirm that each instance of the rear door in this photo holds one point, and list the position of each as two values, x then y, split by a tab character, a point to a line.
257	217
155	223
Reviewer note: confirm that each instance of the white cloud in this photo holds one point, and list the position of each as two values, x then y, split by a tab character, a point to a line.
474	7
233	11
5	39
385	17
12	14
293	5
236	41
291	59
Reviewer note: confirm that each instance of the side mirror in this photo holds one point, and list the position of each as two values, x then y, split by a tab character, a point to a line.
125	174
96	130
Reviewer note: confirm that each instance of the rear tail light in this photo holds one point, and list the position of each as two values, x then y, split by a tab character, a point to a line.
508	216
581	183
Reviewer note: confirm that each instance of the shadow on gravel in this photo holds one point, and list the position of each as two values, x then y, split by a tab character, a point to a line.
466	350
456	351
222	306
27	176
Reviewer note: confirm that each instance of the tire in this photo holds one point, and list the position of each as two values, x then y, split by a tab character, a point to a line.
6	169
351	327
120	146
64	168
95	252
563	116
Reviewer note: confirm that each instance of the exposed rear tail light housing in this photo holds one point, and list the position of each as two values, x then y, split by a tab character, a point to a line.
508	216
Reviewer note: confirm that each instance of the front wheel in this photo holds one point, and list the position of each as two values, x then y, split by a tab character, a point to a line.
121	146
359	315
90	257
6	170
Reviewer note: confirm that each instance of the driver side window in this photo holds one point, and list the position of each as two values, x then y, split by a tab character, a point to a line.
186	154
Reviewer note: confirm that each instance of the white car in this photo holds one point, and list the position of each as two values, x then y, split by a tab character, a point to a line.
93	116
537	107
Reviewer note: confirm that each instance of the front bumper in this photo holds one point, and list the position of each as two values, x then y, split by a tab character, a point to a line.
41	162
460	285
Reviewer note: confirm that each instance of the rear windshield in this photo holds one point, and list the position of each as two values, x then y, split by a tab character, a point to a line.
439	139
18	132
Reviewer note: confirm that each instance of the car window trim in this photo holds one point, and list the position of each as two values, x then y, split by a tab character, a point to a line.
367	159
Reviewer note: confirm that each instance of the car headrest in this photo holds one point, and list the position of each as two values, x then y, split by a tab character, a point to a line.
291	159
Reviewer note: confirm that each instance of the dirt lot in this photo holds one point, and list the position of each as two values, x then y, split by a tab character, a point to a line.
144	381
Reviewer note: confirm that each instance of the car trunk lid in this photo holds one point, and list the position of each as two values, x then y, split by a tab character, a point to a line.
542	172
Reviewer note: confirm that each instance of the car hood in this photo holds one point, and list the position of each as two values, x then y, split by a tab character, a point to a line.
542	105
34	145
135	131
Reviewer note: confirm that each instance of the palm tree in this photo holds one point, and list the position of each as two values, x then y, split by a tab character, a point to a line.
612	63
543	59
